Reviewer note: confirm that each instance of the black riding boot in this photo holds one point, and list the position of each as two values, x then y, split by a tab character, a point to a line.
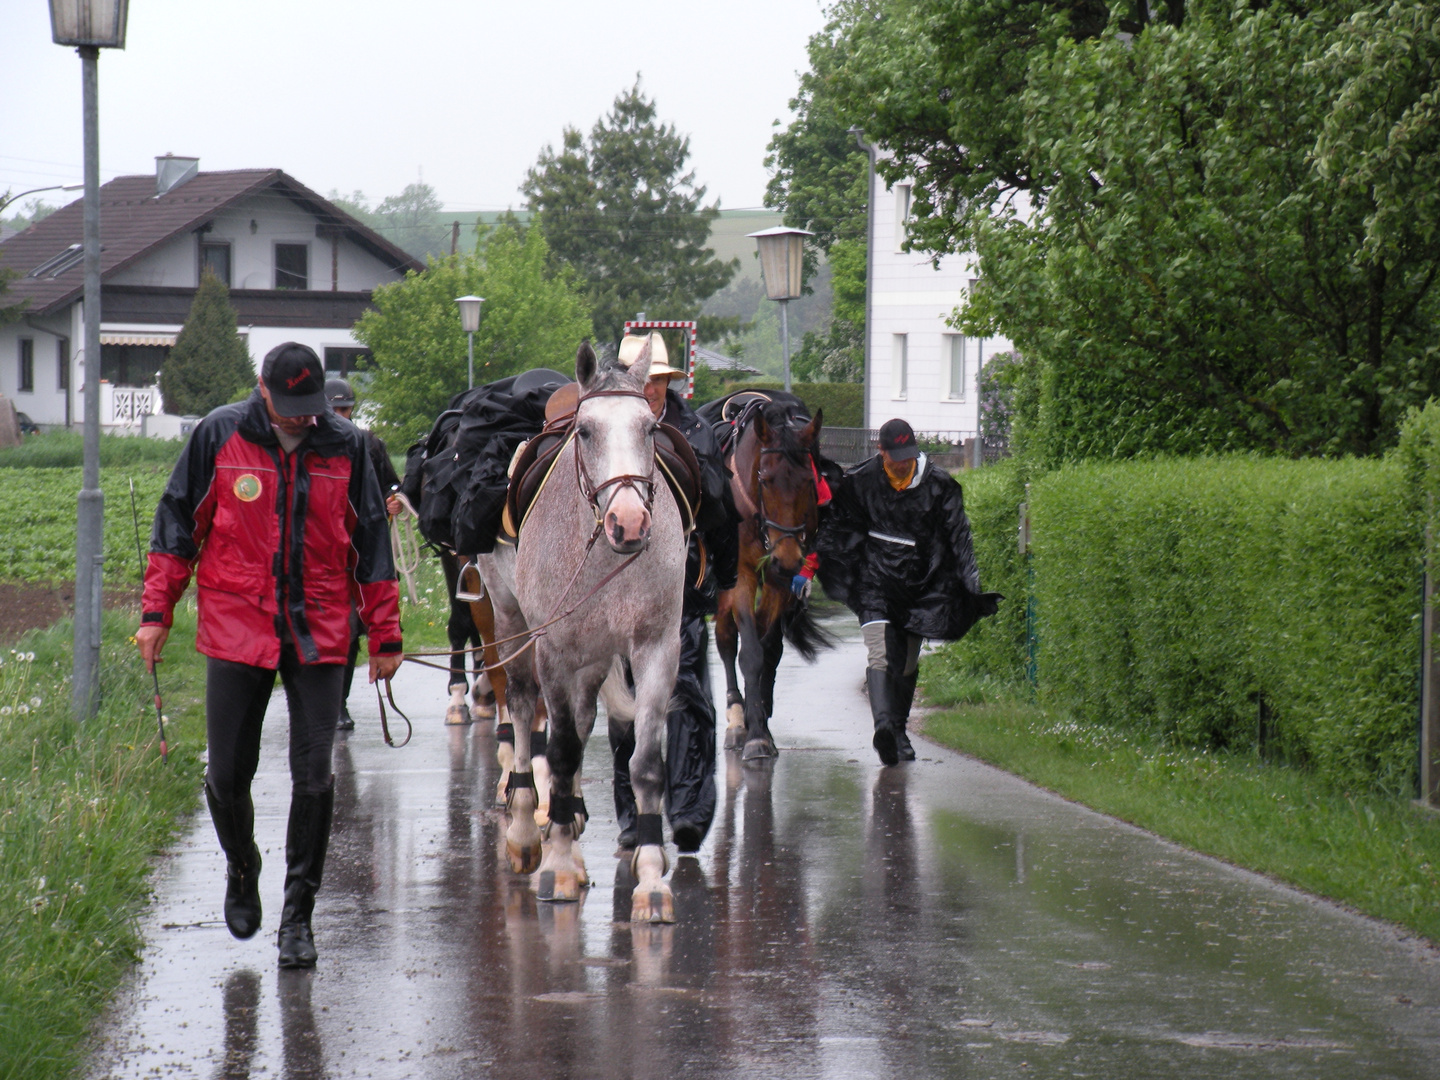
622	746
904	698
877	681
235	826
306	841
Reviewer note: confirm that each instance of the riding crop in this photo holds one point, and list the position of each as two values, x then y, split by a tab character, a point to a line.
154	674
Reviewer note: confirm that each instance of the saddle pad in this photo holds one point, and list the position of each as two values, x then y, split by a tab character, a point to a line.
536	461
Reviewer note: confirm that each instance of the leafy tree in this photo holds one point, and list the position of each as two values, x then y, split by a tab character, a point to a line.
620	209
1207	226
209	364
533	317
414	221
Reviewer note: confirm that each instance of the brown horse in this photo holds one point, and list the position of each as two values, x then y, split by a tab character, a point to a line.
774	482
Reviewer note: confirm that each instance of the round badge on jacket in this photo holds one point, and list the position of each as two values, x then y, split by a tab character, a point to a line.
247	488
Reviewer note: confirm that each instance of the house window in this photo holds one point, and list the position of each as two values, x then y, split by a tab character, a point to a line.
292	266
956	347
27	366
215	257
902	214
343	363
899	363
132	365
62	364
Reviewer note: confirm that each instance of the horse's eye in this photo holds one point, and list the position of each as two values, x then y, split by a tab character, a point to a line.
583	432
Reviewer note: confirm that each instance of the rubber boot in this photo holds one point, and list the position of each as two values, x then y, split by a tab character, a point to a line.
622	746
306	840
904	698
235	826
877	681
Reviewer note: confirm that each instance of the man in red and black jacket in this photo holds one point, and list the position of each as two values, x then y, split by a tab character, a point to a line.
275	507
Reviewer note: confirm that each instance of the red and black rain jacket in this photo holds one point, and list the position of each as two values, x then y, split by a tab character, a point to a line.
279	542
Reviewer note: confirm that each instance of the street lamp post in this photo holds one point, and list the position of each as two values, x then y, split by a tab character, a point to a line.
782	254
89	25
470	322
37	190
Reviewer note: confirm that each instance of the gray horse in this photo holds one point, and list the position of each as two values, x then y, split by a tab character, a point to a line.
613	615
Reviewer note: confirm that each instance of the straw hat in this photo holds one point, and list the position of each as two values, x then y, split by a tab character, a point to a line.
630	346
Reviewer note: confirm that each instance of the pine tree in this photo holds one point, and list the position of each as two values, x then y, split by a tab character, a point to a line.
622	210
209	364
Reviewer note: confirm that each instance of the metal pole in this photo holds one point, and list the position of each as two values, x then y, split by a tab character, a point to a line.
470	360
785	340
90	514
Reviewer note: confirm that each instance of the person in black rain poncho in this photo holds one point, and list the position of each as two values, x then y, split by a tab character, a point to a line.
896	550
690	731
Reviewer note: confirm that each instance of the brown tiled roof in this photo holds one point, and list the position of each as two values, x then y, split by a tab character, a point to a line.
134	221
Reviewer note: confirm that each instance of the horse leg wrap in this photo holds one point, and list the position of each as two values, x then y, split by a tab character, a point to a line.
518	780
539	740
563	809
505	733
649	829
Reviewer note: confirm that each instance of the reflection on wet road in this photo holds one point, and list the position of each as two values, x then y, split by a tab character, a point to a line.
932	920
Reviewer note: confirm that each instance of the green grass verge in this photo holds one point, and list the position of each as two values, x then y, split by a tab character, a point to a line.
65	450
1377	854
83	810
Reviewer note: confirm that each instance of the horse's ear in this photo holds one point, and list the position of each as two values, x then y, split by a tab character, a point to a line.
810	434
640	369
585	364
762	429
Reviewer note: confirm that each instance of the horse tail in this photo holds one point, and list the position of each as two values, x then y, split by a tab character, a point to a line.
806	635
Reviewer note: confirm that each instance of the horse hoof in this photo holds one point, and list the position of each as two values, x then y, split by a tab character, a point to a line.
558	886
652	906
483	712
456	715
734	738
524	858
759	750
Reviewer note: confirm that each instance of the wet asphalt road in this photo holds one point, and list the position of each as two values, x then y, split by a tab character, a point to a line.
939	919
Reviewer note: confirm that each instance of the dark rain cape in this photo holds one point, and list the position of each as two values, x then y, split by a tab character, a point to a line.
456	476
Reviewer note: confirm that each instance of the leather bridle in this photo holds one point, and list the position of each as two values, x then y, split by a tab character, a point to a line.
763	524
593	491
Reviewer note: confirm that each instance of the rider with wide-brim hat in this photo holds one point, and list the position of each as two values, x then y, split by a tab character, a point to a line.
690	745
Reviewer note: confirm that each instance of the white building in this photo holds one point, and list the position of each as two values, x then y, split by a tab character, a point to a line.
918	367
298	267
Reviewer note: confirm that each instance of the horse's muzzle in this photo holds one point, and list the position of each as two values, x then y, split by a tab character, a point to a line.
627	533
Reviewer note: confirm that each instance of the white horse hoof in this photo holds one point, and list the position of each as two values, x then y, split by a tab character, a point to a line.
456	716
652	905
483	710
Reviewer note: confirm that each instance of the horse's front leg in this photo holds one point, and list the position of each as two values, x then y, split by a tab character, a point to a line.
522	837
570	696
727	641
487	696
655	667
758	744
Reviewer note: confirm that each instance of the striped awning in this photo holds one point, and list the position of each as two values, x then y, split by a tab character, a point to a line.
112	338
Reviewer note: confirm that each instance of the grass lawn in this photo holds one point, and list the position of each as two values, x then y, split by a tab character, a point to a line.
1378	854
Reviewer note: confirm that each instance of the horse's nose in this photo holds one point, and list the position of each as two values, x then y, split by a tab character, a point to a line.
627	527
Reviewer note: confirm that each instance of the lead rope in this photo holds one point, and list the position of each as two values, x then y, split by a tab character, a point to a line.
385	723
405	546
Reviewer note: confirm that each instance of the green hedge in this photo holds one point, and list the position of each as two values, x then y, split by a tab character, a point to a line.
844	403
1178	595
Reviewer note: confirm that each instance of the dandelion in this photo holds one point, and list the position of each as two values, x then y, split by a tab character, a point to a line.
35	703
38	904
5	710
22	709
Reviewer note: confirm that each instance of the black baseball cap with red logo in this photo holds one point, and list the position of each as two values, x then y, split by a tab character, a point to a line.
897	438
295	378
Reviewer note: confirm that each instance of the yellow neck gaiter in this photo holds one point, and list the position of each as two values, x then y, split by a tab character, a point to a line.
900	473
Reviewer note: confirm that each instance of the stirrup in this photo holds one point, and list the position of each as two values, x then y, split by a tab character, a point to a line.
464	595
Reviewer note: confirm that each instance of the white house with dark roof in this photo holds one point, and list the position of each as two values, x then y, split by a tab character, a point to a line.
918	366
299	269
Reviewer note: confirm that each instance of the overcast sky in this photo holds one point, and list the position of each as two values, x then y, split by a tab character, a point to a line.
371	95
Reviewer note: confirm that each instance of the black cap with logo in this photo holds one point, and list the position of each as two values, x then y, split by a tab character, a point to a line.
295	378
897	438
339	394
